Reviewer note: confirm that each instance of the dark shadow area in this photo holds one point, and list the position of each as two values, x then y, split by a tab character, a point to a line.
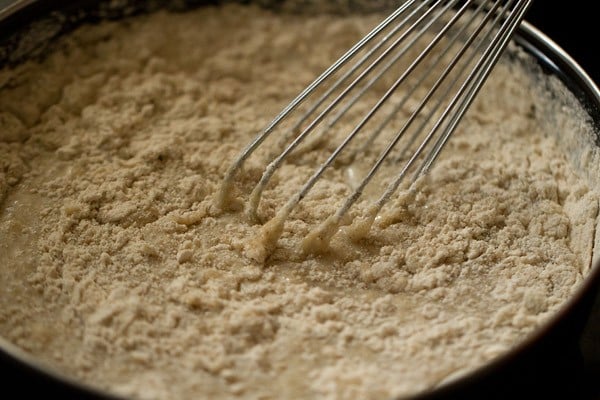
573	26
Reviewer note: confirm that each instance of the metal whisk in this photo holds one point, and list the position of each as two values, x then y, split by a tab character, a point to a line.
440	52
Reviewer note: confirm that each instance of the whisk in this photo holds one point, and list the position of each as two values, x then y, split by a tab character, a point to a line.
444	49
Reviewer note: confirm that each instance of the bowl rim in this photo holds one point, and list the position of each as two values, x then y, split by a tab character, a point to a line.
545	51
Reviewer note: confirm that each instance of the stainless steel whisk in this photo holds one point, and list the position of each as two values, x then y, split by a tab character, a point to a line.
448	48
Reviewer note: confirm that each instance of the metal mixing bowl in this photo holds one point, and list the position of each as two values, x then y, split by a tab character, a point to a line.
28	28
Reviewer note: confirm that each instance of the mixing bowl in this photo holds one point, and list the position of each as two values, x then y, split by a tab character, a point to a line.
544	364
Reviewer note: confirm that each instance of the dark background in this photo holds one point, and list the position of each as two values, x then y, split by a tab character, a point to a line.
574	26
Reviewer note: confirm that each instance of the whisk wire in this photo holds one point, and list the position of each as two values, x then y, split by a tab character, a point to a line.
388	65
358	64
465	95
467	55
256	194
469	60
432	67
225	189
313	179
448	69
477	82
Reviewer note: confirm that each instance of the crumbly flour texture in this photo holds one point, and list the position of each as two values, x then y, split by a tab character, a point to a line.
117	269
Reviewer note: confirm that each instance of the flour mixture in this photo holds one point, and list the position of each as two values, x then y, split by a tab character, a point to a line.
117	269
